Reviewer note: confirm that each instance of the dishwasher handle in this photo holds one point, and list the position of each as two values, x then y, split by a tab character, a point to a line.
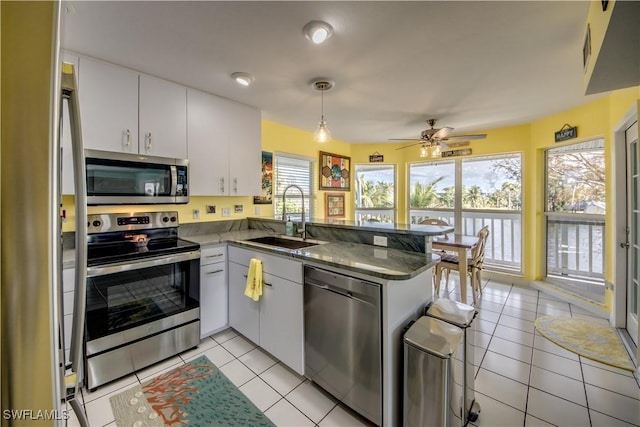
335	290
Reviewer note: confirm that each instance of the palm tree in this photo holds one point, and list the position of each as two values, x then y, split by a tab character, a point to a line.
472	195
425	196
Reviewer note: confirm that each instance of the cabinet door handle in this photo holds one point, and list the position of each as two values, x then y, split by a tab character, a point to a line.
222	184
149	142
127	134
235	185
263	282
213	256
214	272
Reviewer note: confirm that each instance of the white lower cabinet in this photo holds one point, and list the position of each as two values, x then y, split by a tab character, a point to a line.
213	290
275	321
244	314
281	321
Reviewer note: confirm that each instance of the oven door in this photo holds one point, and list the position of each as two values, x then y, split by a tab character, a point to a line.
127	302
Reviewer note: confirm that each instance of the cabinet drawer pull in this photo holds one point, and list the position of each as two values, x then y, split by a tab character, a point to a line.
214	272
214	256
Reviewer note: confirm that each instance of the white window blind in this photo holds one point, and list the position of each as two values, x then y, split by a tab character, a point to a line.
293	171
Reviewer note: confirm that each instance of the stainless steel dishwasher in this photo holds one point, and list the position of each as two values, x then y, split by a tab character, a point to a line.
342	326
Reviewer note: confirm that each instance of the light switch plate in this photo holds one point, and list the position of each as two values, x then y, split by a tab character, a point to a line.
257	211
196	214
380	241
226	211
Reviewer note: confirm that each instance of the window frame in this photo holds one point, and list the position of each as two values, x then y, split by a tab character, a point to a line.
362	214
295	195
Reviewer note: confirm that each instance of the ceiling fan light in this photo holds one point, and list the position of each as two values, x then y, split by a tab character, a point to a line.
317	31
424	151
243	79
322	133
435	151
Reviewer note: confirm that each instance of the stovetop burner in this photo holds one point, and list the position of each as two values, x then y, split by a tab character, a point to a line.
115	238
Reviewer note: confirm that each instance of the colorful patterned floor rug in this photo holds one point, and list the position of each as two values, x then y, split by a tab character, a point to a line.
592	340
194	394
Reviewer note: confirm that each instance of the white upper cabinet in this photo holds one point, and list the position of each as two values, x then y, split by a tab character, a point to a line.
124	111
224	146
208	154
108	106
163	118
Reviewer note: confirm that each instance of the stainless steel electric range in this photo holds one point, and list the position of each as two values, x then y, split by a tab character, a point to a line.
143	293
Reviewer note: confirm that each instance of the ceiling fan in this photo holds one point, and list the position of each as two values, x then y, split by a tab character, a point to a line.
434	139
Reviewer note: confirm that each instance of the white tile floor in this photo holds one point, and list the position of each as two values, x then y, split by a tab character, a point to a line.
522	378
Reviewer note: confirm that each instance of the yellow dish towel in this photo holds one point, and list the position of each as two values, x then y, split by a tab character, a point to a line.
254	280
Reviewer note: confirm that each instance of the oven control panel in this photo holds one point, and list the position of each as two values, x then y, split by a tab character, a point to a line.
103	223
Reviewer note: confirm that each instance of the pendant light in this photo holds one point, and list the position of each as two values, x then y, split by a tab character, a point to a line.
322	133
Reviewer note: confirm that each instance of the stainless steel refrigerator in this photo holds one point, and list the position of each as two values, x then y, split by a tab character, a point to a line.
32	365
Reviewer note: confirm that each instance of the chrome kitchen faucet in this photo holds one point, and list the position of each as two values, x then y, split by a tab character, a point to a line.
303	229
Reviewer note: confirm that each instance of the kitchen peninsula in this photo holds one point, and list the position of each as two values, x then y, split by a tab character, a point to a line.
299	320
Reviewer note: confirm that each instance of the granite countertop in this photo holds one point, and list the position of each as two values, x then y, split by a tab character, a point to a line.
375	261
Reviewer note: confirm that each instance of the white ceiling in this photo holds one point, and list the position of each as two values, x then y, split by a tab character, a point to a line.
473	65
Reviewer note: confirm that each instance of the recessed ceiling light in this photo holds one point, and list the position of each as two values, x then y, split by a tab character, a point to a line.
317	31
244	79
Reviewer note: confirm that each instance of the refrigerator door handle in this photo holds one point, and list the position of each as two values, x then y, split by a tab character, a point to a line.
69	88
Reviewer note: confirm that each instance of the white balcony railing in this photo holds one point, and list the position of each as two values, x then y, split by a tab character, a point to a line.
575	246
504	245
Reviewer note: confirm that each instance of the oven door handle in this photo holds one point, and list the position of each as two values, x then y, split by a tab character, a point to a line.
103	270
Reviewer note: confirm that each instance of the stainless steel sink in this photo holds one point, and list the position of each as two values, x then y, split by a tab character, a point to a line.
282	242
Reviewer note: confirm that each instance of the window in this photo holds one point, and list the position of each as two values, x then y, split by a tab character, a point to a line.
469	194
432	191
375	193
574	214
293	170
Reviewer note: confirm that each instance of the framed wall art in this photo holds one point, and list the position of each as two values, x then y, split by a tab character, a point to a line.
335	172
266	197
334	205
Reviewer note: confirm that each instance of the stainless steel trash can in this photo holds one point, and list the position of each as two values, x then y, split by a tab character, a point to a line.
432	389
461	315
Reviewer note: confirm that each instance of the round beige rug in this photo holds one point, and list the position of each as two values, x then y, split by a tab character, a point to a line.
592	340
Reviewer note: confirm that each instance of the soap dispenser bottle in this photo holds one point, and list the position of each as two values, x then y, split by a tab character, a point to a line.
288	228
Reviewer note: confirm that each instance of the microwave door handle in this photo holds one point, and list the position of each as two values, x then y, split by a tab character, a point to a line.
174	181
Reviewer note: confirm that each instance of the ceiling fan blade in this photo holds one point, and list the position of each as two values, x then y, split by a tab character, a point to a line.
410	145
404	139
454	144
465	137
442	132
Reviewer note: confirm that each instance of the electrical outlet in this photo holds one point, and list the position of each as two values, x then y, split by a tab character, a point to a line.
257	211
226	211
196	214
380	241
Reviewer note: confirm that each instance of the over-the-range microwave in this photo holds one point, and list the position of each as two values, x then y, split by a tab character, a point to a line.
124	179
